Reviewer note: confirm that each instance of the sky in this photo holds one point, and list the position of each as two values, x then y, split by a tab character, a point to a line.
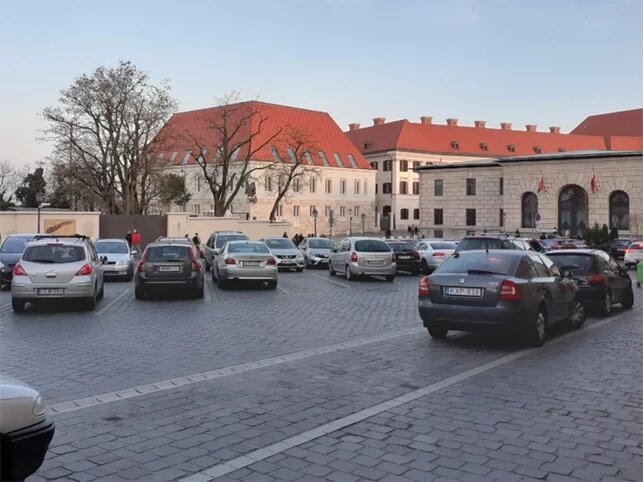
541	62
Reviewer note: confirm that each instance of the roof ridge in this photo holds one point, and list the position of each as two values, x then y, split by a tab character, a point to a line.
272	104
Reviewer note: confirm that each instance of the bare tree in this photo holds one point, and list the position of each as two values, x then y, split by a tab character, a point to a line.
10	178
104	127
294	166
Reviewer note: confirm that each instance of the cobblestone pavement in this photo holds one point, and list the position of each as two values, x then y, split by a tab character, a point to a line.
323	380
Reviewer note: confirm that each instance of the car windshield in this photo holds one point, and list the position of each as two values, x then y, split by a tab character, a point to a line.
320	243
15	244
111	247
397	247
576	263
54	254
443	245
479	262
168	254
175	240
251	248
280	243
372	246
224	238
469	244
621	242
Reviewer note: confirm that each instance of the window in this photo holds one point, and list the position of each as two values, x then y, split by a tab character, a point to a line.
268	182
471	187
186	158
323	157
619	210
484	146
416	187
471	217
537	149
197	209
404	213
438	187
329	186
386	188
366	187
529	210
351	159
501	186
328	211
342	211
416	213
275	154
501	218
374	165
455	145
404	187
296	185
293	156
340	163
387	165
416	164
295	211
280	210
356	211
511	148
376	188
313	185
539	266
356	186
404	165
308	157
438	217
526	269
438	233
342	186
173	158
198	184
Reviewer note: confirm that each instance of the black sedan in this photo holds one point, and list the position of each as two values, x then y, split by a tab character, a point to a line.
407	257
10	253
602	282
618	247
521	292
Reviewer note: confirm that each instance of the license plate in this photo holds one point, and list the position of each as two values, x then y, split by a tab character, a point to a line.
404	257
50	291
457	291
374	262
286	261
251	263
169	268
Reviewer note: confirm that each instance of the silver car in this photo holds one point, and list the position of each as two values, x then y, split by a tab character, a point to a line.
245	261
433	252
362	256
120	259
316	251
64	267
215	243
286	253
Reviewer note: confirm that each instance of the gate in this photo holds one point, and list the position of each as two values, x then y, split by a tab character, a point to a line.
116	226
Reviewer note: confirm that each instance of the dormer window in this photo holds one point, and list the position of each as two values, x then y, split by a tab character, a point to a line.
511	148
537	149
484	146
455	144
562	149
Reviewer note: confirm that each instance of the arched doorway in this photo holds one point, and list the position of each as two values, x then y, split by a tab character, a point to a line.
529	210
619	210
573	210
385	222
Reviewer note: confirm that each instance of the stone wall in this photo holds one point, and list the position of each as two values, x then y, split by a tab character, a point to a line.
86	223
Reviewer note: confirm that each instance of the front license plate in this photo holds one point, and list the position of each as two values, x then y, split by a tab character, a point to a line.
457	291
251	263
286	261
169	268
50	291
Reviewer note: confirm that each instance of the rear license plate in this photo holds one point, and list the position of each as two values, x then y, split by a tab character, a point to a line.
375	262
457	291
250	263
169	268
403	257
50	291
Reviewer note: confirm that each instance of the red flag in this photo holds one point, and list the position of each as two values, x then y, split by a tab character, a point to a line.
594	183
541	184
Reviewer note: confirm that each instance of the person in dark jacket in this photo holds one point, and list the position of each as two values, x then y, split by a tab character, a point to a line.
128	238
196	240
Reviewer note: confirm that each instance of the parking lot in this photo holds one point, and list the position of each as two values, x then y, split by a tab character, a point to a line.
323	379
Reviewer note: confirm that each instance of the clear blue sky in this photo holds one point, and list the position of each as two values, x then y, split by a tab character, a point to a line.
524	61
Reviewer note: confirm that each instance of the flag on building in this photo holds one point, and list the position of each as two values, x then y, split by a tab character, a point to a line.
541	184
594	183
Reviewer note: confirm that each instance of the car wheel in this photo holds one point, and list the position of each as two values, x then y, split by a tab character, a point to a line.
425	267
207	266
390	277
628	299
272	285
537	329
198	294
606	309
130	276
578	316
299	270
101	293
18	305
91	302
438	332
331	271
349	274
415	273
221	283
139	294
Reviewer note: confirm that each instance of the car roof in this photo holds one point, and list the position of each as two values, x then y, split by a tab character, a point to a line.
369	238
244	241
157	244
229	232
120	240
22	235
53	239
512	253
574	251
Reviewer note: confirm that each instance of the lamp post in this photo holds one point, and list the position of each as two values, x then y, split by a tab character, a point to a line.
40	206
363	216
350	221
315	214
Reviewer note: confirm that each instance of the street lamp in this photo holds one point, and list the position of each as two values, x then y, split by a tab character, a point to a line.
315	214
350	221
363	216
40	206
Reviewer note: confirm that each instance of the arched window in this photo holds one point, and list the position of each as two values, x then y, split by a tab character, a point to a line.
529	210
572	210
404	213
619	210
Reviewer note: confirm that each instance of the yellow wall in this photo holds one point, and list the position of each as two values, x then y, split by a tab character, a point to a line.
179	224
27	222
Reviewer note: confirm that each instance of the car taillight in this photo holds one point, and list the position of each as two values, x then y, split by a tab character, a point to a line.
424	289
628	251
19	270
596	279
86	270
196	266
438	253
415	255
230	261
353	257
271	262
392	257
509	291
141	267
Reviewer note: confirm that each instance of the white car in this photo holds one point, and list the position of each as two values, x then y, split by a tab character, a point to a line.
633	254
25	430
433	252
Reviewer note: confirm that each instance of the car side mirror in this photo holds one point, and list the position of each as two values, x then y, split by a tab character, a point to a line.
215	251
134	252
567	274
103	259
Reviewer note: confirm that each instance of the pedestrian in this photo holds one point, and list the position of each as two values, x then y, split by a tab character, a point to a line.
410	230
128	238
285	235
187	236
196	240
388	234
136	240
417	230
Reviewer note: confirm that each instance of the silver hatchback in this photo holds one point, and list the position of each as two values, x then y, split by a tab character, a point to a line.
65	267
361	256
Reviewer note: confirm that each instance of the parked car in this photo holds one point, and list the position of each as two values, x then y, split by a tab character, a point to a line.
601	280
286	253
119	259
10	252
362	256
245	261
215	243
434	252
58	268
316	251
169	266
521	292
407	258
633	254
470	243
25	429
618	247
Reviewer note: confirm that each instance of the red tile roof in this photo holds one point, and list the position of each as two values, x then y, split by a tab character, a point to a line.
467	141
181	131
623	123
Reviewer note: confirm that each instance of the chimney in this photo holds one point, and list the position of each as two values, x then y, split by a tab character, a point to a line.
378	121
505	126
531	127
353	127
452	122
481	124
426	119
554	129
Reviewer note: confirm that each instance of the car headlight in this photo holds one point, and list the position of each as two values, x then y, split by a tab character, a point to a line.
39	407
122	263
